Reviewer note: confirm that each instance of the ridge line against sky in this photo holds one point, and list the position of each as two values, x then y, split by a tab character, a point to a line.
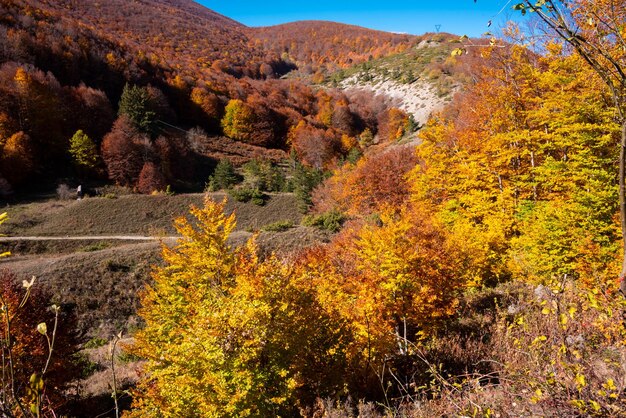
462	17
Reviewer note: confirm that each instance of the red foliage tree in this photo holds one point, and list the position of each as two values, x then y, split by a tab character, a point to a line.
376	181
121	152
392	124
150	179
16	158
91	110
314	146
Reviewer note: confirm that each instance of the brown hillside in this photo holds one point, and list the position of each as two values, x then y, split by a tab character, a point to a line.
333	44
64	64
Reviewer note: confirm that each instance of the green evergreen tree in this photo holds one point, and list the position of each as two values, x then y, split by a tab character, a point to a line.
224	176
304	180
135	103
263	175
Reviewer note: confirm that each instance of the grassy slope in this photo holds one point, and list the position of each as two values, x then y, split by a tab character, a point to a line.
101	279
135	215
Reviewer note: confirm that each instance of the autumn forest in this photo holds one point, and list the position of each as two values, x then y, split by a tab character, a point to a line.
470	263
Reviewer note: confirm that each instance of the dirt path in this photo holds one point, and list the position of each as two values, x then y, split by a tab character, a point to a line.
85	238
235	234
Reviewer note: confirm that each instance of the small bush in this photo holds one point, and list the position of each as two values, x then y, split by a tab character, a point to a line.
86	366
279	226
115	266
95	343
95	247
248	195
64	192
126	358
329	221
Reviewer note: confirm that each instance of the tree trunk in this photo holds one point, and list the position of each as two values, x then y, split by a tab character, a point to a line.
622	202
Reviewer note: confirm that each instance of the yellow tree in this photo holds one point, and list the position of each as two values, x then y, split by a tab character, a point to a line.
3	218
83	151
229	335
595	30
237	121
530	144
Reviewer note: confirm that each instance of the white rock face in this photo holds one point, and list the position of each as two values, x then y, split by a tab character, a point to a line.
419	98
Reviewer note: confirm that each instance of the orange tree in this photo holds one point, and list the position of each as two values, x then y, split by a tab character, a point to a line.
522	167
395	281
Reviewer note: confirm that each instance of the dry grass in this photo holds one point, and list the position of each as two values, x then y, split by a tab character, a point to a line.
102	285
135	214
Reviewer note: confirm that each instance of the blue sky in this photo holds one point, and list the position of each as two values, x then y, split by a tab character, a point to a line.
415	17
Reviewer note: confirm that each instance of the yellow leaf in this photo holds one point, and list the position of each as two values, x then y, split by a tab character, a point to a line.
539	339
610	385
572	311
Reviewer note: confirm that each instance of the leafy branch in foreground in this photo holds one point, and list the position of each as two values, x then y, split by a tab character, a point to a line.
3	218
36	360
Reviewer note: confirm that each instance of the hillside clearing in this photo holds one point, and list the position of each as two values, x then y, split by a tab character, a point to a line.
136	215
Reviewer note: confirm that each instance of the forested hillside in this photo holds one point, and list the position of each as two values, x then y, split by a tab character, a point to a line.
477	273
311	44
64	67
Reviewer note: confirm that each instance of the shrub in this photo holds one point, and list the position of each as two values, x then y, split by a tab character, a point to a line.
64	192
247	194
95	247
150	179
95	343
86	366
279	226
329	221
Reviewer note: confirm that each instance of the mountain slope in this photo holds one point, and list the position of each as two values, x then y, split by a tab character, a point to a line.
64	64
338	45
